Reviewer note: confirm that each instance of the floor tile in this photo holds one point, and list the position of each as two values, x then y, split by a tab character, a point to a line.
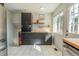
33	50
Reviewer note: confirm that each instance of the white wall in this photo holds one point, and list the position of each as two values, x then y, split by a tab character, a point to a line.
16	19
58	41
58	36
11	31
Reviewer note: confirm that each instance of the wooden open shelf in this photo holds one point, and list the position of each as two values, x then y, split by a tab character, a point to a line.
38	23
39	31
38	19
43	26
35	19
34	22
41	19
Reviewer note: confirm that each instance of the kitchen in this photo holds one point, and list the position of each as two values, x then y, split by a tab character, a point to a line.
45	27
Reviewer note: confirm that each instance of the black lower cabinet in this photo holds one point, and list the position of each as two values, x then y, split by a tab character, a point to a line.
35	39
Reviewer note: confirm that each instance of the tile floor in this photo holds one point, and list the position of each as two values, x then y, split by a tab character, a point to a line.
33	50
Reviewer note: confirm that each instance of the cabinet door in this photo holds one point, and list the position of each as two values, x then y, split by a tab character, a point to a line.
26	19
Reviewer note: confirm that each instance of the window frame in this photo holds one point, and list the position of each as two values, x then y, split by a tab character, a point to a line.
73	24
55	26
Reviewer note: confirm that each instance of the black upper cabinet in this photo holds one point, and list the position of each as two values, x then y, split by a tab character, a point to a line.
26	19
2	4
26	22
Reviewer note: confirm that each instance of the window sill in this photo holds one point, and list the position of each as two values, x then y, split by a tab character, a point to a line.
73	33
58	33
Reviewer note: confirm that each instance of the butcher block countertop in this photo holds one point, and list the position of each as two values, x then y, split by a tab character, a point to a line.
72	41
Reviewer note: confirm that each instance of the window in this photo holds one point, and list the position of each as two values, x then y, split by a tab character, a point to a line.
58	23
74	18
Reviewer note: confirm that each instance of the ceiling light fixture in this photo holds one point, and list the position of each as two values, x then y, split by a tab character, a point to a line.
42	8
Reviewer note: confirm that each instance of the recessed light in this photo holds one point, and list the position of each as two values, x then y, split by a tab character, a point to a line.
42	8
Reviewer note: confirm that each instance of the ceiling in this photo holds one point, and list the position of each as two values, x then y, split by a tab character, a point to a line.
32	7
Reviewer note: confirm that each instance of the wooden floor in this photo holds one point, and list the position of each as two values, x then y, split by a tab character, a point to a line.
33	50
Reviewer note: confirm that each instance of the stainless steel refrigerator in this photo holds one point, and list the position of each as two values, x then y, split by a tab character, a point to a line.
3	40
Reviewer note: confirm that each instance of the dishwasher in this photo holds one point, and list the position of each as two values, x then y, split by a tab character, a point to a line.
68	50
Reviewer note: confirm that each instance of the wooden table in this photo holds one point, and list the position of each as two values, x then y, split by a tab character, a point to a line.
72	41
